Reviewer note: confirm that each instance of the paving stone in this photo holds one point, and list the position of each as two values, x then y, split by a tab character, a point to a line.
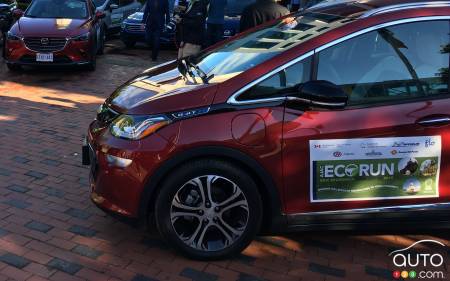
48	132
83	231
50	162
86	251
246	259
20	159
39	226
3	232
198	275
77	213
140	277
248	277
65	266
17	203
320	244
18	188
54	192
4	172
379	272
14	260
154	243
327	270
36	175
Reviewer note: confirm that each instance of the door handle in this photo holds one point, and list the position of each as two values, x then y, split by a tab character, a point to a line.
434	121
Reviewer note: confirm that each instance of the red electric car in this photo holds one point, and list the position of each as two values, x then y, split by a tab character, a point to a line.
66	32
334	118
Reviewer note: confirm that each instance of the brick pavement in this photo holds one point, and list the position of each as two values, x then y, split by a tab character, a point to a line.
49	229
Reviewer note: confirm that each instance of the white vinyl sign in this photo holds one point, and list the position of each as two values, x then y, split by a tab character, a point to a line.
374	169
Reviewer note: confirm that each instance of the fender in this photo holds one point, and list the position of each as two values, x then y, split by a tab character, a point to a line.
273	218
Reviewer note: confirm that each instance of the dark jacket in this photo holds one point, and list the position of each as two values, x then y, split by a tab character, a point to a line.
156	14
193	23
216	13
260	12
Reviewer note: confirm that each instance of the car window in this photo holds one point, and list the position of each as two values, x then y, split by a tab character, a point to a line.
67	9
255	48
281	83
396	63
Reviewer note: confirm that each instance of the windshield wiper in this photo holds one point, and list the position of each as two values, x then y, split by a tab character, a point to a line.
202	74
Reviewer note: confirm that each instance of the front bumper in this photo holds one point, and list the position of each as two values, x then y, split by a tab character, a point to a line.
117	189
74	53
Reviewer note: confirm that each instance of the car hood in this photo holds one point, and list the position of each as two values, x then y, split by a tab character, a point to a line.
50	27
136	17
159	92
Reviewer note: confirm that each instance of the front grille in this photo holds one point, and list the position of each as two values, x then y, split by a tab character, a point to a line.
134	28
45	44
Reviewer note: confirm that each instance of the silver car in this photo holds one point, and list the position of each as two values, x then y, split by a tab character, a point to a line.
116	11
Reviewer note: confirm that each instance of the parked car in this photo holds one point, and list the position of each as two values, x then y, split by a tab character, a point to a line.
115	12
66	32
133	32
6	16
335	118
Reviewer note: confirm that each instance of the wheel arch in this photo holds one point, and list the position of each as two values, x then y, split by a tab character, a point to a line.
273	220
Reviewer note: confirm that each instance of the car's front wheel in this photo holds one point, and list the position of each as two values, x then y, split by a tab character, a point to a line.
209	209
101	48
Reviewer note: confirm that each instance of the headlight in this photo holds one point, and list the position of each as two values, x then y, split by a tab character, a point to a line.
137	127
82	37
12	37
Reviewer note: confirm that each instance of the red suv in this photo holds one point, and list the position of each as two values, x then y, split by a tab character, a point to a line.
335	118
66	32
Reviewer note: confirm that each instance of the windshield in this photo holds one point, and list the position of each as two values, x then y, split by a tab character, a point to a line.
261	45
99	3
67	9
235	7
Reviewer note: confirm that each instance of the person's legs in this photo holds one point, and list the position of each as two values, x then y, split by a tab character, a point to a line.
218	33
155	43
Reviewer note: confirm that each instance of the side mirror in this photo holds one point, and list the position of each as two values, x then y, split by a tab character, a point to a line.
114	6
320	93
99	15
17	14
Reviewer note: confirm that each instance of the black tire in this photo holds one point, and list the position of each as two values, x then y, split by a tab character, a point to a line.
129	44
13	67
101	49
92	66
223	172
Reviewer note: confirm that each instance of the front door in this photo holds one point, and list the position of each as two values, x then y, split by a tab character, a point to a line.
391	145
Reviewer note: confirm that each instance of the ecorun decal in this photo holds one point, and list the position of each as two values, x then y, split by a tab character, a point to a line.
374	169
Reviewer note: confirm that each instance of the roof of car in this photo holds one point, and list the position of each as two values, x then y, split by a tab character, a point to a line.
364	8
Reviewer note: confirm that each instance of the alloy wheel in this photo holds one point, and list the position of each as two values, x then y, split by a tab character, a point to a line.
209	213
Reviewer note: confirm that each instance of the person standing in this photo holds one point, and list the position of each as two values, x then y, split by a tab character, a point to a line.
215	21
192	24
260	12
156	17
